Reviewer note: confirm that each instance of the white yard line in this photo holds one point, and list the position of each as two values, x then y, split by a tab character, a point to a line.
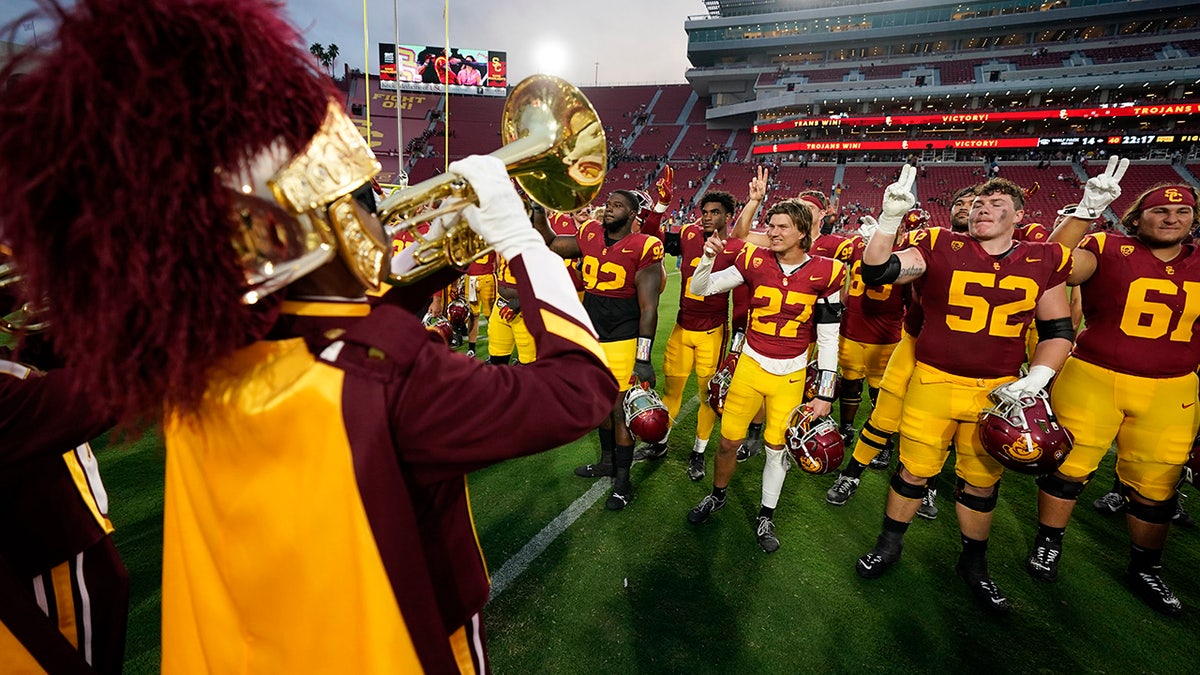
516	565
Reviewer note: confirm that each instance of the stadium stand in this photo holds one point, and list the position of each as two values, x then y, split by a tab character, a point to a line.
671	100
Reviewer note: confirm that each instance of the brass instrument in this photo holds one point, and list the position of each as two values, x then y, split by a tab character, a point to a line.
30	318
553	145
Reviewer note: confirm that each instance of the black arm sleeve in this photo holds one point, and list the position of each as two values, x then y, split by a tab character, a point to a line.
1055	328
671	243
878	275
828	312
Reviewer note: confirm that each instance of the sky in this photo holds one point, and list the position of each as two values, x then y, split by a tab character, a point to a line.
606	42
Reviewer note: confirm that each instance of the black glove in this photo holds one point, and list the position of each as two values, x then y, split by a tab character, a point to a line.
643	372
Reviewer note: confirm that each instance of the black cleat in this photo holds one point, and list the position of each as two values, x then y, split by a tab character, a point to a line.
707	506
597	470
928	508
1043	560
877	561
1181	517
765	531
650	451
622	492
986	592
1109	503
695	468
749	448
1152	590
883	459
847	431
842	489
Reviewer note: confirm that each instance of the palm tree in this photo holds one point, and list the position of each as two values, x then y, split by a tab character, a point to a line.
331	54
326	56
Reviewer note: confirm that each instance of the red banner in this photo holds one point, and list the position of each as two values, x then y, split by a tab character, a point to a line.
851	146
1077	114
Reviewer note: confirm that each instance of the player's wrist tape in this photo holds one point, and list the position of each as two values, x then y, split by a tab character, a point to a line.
643	348
826	381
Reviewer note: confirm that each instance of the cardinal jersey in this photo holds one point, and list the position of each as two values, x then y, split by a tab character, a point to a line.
832	246
484	265
504	275
609	268
702	313
873	313
781	305
1031	232
1140	311
977	306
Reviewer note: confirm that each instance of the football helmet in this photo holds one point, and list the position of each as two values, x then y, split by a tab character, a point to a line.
718	386
458	313
439	326
814	443
1023	434
645	204
915	219
646	416
812	382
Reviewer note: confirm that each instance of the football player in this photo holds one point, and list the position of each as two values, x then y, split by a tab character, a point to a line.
874	445
791	293
829	245
979	291
1132	375
698	338
316	512
506	324
871	328
622	276
481	295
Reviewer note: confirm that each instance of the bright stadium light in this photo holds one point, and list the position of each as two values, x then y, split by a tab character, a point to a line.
551	58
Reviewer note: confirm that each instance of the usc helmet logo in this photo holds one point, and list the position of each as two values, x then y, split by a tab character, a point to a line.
1173	195
1023	451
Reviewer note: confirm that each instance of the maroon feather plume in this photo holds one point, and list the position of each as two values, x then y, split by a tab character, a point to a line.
111	148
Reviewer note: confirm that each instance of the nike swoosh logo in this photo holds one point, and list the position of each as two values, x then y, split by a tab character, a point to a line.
790	381
1033	260
1188	405
816	278
627	250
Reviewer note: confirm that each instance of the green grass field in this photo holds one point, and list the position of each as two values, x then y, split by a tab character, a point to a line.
641	590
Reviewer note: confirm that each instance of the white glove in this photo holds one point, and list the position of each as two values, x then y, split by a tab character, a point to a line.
867	228
1101	190
897	200
1028	386
500	217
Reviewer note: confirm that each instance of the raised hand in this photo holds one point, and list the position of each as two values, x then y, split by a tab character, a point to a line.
758	185
897	200
1102	190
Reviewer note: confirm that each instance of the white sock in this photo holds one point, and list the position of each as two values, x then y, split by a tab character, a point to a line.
774	471
700	445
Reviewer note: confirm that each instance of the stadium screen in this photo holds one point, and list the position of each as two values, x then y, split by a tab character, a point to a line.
427	68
